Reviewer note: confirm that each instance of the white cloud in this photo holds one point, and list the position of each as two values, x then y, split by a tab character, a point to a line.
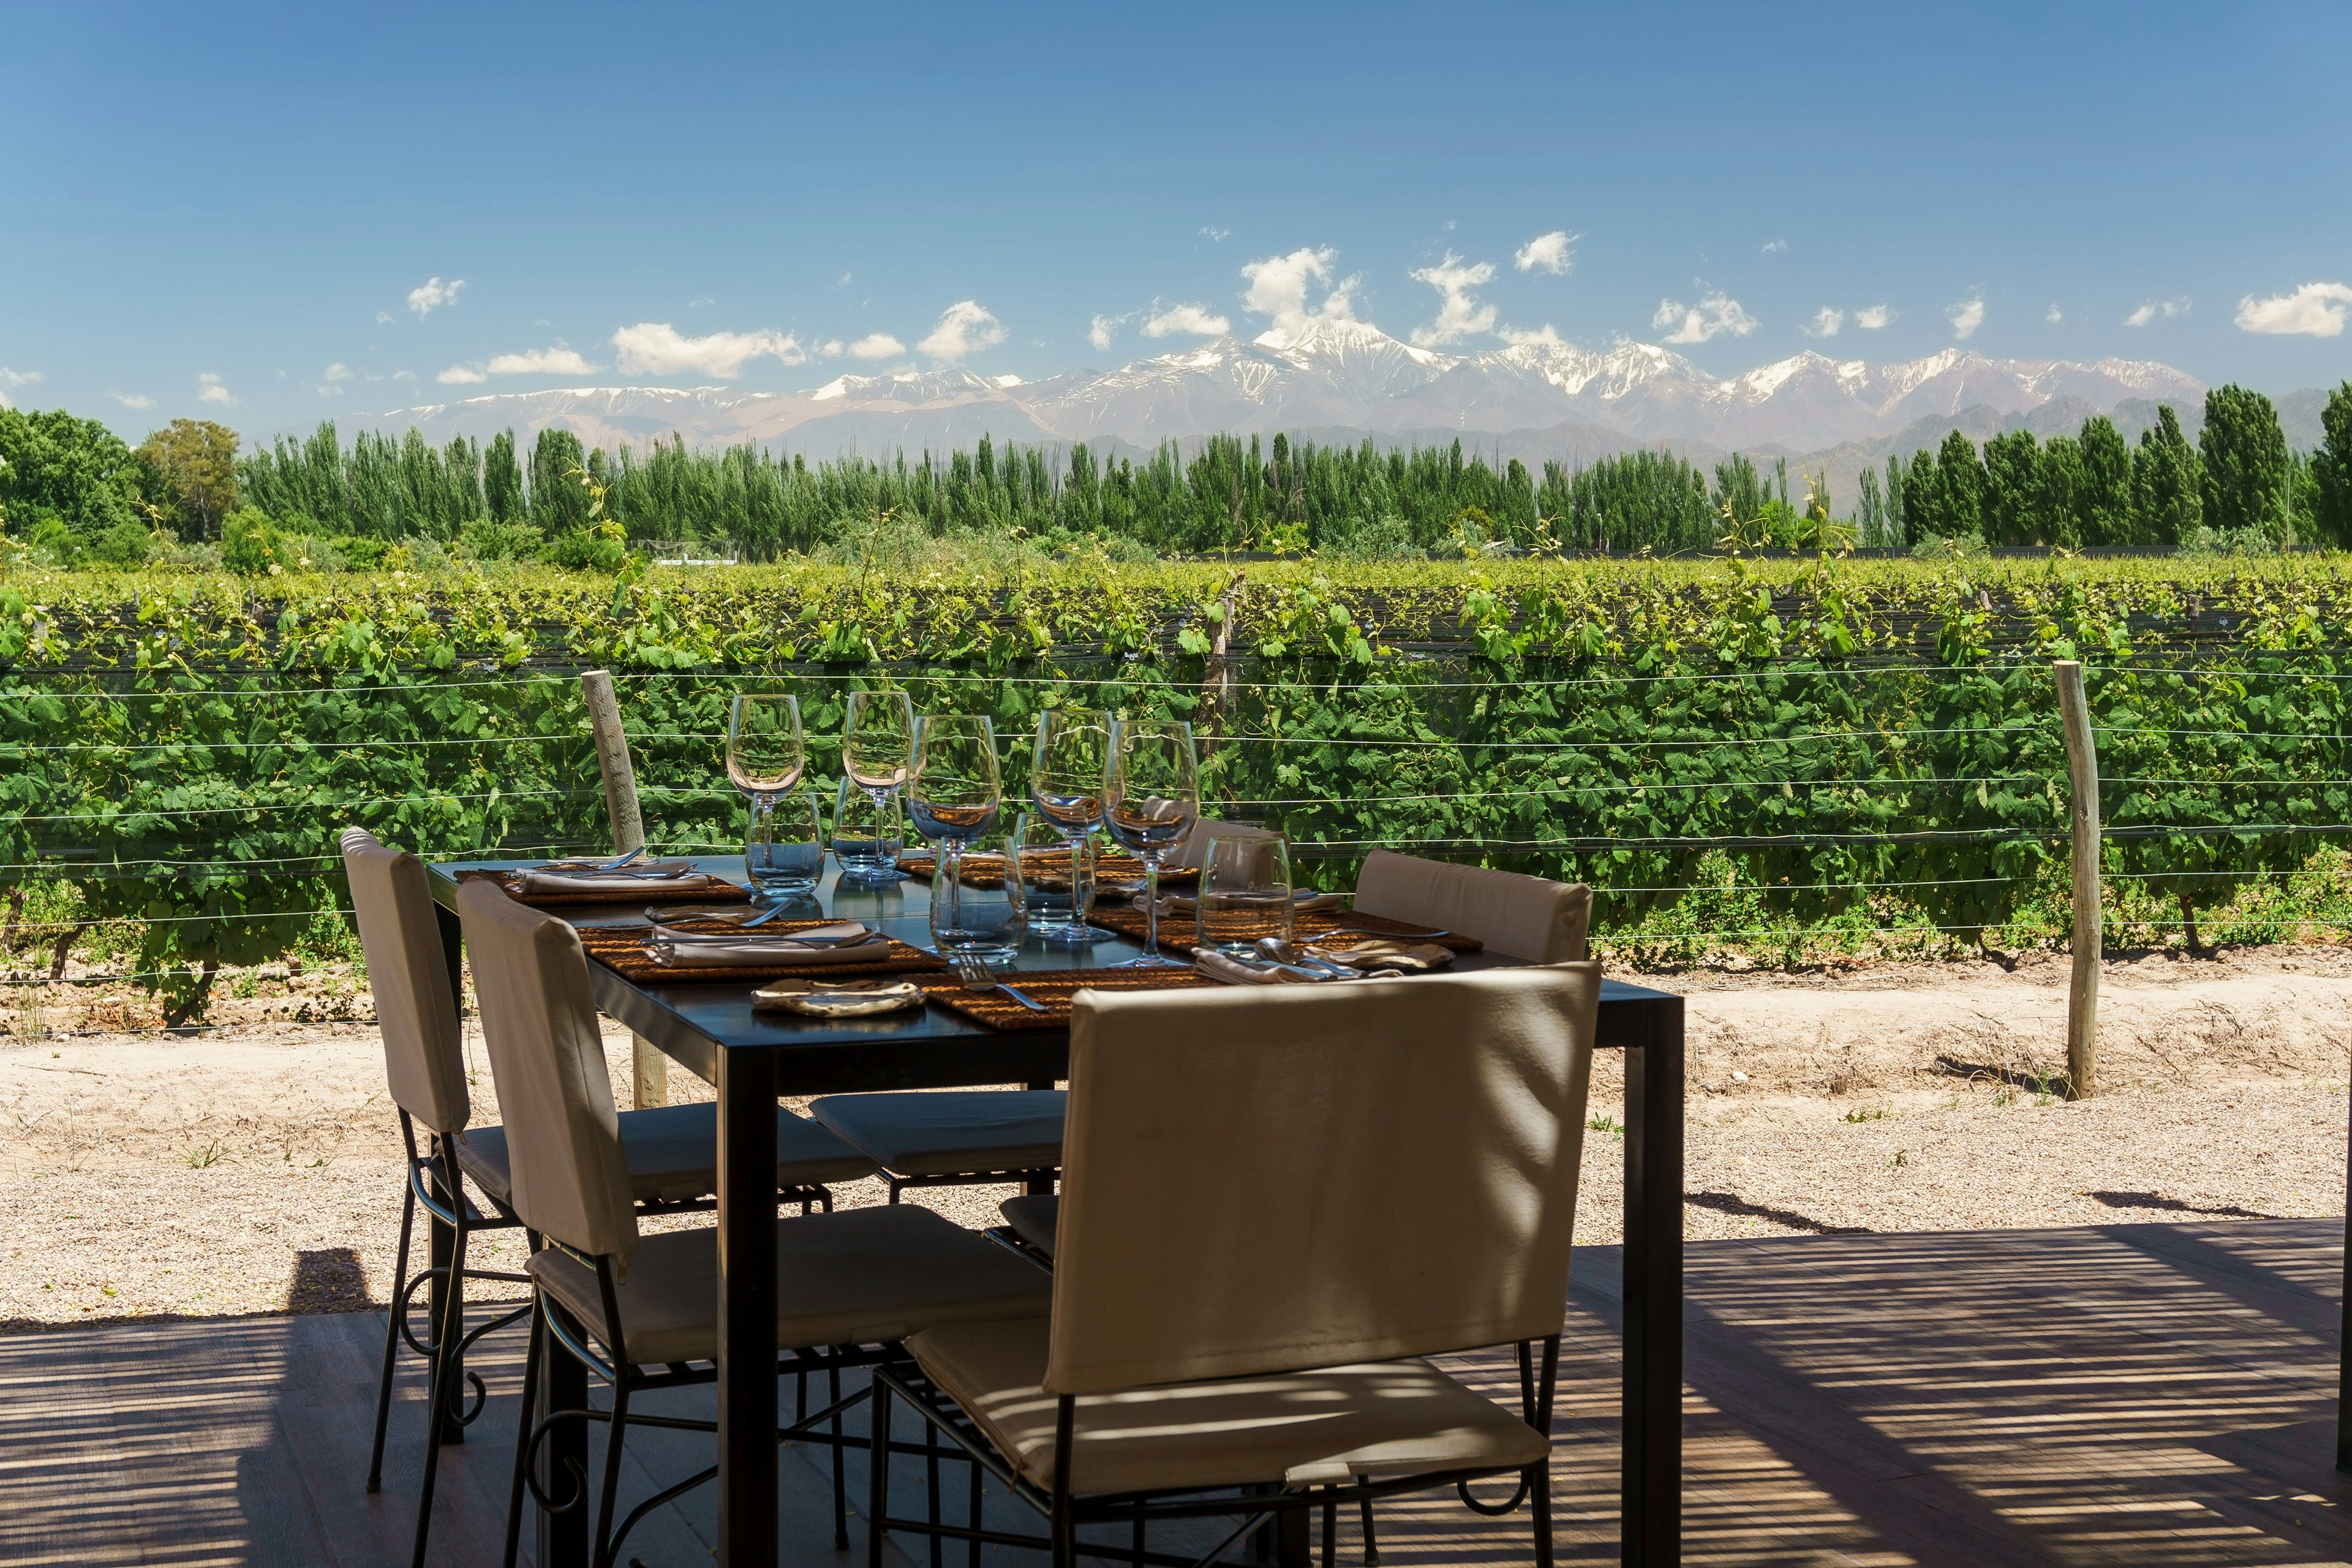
2150	309
1543	337
209	389
338	371
1194	319
132	399
698	304
403	376
17	377
1966	316
656	348
876	345
1099	330
2312	311
842	282
1554	253
556	361
829	349
1825	323
432	294
964	328
383	318
1774	246
1277	288
2053	315
1459	314
1214	234
1715	314
1871	317
462	376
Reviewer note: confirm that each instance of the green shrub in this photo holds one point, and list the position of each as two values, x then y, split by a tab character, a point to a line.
482	540
126	545
251	546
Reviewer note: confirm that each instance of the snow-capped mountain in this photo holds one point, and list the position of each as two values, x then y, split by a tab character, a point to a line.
1329	376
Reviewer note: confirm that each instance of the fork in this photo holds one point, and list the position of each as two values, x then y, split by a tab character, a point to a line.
974	971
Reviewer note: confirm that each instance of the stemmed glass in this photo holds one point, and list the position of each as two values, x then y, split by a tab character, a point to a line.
1151	797
765	759
878	751
953	795
1066	780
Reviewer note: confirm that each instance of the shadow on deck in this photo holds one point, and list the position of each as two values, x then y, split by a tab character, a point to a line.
2136	1394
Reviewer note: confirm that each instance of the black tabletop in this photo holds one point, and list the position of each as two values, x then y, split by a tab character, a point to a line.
692	1021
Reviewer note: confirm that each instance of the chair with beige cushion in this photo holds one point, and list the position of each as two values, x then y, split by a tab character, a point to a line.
642	1311
1275	1202
1515	915
671	1153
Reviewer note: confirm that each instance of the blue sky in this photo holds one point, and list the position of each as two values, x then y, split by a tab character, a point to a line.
286	199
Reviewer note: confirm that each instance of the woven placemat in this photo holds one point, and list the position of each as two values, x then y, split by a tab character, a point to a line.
1306	925
1123	870
717	890
1054	988
621	949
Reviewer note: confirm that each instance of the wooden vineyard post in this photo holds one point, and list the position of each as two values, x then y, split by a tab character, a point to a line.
648	1068
2083	775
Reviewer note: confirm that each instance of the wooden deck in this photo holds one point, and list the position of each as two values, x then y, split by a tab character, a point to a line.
2121	1394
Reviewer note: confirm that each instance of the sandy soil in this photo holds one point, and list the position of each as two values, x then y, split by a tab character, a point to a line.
256	1169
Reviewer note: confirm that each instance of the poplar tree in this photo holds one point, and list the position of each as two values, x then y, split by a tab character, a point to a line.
2104	504
2331	468
2244	466
2165	501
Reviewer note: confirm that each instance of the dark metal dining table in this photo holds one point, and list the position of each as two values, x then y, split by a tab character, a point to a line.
752	1058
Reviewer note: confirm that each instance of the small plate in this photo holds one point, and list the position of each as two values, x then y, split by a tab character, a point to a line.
839	998
1382	953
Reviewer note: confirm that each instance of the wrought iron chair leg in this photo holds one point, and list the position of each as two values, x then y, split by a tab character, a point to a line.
619	1423
971	1553
1371	1542
1539	1506
840	1482
932	1489
1331	1534
444	1387
392	1331
531	1353
878	1474
1142	1539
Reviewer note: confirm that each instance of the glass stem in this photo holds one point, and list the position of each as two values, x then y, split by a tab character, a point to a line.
951	873
1150	904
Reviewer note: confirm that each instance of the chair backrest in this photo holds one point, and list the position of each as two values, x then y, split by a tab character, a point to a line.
1517	916
547	1055
1196	842
1276	1178
408	970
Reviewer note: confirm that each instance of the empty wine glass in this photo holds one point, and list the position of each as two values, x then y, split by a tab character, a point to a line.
878	751
867	835
1066	780
1245	894
987	917
1151	797
765	759
953	795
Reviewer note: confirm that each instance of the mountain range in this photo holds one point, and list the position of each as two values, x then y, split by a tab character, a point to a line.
1344	380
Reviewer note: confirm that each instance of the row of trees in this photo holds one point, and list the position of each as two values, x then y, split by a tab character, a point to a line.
2239	480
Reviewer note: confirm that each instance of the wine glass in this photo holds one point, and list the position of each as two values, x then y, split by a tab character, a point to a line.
765	758
1151	797
953	794
1245	894
878	749
1066	780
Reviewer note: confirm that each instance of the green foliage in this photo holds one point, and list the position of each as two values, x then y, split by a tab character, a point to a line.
483	539
251	546
2244	466
2167	483
194	465
74	472
2331	468
126	544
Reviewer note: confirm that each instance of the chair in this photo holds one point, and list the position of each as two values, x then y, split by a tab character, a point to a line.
1274	1203
1515	915
967	1137
671	1153
642	1311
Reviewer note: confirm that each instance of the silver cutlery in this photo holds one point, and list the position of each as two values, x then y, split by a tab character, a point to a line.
618	861
976	976
1391	935
1291	956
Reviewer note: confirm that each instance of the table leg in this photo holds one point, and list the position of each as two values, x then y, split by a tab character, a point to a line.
746	1308
563	1538
1653	1456
440	1239
2344	1346
1043	1187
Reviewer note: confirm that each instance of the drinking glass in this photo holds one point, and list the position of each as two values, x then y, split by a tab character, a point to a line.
867	836
953	795
986	923
1057	876
878	751
765	758
1066	780
1245	894
784	852
1151	797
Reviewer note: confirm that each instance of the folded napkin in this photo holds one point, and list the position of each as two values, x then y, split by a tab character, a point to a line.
1208	961
844	941
651	874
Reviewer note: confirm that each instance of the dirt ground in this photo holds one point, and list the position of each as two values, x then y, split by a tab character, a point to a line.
257	1168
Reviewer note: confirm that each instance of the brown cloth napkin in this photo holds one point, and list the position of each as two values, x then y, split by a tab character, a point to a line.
621	949
539	887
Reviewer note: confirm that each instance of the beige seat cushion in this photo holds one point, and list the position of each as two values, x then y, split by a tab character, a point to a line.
1297	1428
1033	1217
956	1134
1515	915
673	1153
867	1276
